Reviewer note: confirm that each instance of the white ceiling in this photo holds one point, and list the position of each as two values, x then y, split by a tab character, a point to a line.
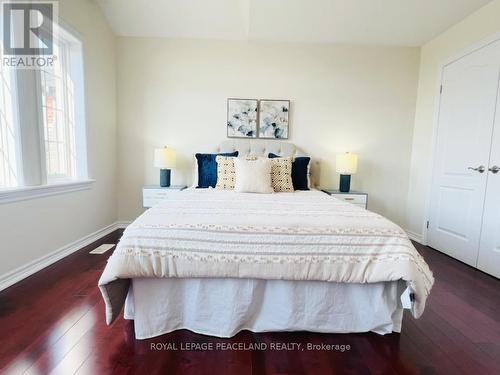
385	22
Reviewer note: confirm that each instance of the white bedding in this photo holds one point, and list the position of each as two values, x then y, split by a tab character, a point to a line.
304	236
223	307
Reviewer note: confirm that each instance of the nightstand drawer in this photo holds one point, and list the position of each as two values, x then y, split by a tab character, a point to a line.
352	198
151	196
150	202
158	193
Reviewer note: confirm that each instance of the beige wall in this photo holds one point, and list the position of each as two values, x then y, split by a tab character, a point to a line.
480	25
358	99
34	228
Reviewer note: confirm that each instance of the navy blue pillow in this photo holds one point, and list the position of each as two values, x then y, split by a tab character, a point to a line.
299	171
207	169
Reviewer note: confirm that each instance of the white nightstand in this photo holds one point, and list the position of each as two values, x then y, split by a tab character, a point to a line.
152	195
355	197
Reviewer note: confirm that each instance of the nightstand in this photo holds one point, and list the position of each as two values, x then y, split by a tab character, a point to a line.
152	195
354	197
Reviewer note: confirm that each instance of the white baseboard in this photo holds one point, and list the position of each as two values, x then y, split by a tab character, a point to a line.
415	237
122	224
23	272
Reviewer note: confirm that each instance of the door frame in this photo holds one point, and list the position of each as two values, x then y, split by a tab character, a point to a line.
435	122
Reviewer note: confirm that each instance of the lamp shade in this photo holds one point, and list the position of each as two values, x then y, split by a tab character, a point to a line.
347	163
165	158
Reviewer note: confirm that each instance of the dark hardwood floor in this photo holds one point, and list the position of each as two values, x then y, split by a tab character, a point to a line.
54	322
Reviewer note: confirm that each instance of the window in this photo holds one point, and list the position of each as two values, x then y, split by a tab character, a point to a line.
42	121
58	117
9	134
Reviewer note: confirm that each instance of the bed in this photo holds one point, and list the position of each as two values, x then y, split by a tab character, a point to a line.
217	262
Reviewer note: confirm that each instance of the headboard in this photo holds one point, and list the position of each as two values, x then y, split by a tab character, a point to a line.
262	147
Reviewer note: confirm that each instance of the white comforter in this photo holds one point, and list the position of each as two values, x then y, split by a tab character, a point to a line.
305	235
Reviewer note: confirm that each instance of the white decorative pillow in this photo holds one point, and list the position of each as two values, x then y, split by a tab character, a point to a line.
226	173
253	176
281	174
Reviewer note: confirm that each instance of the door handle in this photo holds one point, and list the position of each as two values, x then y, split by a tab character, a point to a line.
495	169
480	169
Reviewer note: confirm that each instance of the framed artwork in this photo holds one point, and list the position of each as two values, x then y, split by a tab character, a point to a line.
242	118
273	119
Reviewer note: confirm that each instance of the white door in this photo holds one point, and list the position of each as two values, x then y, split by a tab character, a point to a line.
465	126
489	248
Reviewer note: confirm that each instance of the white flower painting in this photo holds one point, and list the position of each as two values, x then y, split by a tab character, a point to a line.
242	118
273	119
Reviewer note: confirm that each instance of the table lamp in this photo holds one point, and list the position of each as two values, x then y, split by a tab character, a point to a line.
346	165
165	160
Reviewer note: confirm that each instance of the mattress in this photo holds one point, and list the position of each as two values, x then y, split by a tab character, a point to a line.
223	307
262	247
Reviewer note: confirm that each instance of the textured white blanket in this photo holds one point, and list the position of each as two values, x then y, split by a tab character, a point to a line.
305	235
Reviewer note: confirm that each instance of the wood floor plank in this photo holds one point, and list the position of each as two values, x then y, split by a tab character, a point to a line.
53	322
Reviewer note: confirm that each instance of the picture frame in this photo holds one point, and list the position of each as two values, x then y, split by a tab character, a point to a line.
274	119
242	118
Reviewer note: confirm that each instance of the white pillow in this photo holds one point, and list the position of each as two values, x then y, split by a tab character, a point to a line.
253	176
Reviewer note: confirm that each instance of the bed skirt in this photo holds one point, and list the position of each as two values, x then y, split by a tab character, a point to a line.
224	307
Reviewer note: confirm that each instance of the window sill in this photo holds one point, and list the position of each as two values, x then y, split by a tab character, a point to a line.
31	192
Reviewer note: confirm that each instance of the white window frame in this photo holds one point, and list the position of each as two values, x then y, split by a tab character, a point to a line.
55	178
15	110
79	113
33	179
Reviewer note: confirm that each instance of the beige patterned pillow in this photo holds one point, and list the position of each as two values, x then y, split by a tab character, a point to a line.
226	173
281	174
